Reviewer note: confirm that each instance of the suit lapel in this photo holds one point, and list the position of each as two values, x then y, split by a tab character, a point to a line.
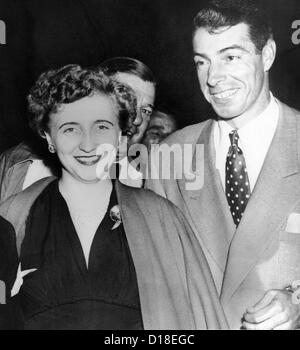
276	191
208	208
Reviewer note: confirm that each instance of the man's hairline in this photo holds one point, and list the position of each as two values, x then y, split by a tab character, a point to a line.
112	76
227	28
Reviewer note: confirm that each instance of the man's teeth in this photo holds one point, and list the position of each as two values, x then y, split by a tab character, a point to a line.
226	94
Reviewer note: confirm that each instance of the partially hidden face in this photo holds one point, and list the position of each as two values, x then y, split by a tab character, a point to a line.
77	131
160	127
145	94
230	70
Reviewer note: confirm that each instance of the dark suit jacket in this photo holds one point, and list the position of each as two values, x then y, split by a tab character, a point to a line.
264	252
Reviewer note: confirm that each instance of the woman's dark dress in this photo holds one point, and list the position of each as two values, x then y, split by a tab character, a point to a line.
63	293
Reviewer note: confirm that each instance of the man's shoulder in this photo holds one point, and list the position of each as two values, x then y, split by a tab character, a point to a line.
288	110
143	197
189	134
17	154
19	202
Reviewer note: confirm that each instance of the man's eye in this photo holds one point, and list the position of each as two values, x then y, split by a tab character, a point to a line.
146	111
200	64
232	58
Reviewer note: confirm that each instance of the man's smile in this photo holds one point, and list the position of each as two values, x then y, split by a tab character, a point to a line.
224	95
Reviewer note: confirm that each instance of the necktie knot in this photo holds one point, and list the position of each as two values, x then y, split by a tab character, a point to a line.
234	138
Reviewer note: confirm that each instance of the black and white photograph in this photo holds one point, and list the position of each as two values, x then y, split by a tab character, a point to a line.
149	167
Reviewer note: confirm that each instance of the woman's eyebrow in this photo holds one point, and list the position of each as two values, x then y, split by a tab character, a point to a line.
103	121
68	123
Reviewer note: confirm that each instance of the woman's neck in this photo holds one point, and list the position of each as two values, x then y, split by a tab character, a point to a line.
76	190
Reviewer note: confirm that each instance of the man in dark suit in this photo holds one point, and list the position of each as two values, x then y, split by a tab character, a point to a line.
247	212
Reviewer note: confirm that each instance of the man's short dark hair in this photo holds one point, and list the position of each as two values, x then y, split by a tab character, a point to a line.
227	13
128	65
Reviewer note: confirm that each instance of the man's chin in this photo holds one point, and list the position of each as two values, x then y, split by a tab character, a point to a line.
226	113
226	117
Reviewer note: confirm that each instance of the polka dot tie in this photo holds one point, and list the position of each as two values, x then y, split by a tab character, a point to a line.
237	181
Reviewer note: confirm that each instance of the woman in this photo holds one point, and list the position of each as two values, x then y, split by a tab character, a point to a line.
95	254
25	164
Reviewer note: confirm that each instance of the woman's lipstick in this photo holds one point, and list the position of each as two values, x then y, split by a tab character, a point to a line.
88	160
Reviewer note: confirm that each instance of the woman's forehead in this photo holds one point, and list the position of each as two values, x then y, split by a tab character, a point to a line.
90	108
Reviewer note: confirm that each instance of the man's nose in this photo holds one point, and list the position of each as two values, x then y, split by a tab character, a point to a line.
87	143
138	119
216	74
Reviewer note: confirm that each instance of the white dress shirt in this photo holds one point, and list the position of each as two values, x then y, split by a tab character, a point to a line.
254	140
37	170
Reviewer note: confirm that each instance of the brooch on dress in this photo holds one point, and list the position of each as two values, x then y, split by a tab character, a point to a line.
115	215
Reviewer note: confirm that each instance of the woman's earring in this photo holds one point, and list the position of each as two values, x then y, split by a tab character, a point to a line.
51	148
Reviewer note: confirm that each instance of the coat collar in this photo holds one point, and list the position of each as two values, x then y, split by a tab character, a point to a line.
20	154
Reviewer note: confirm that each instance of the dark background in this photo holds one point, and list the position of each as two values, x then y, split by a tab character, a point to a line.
43	34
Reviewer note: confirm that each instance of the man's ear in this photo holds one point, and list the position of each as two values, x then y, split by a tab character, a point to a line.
268	54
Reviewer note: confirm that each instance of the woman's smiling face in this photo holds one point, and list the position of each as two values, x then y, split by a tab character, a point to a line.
78	129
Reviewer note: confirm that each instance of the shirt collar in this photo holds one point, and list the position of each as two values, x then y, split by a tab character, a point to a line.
257	128
254	139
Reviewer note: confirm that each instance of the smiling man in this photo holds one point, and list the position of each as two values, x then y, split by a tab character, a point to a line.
247	214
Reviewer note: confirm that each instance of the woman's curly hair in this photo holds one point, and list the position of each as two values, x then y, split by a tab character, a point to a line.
71	83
